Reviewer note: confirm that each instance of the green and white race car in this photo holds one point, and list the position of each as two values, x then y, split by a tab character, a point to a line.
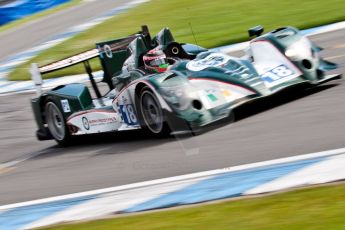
199	86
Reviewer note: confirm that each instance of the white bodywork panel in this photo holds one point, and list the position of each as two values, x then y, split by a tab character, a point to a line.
122	117
124	104
273	67
99	120
95	121
215	93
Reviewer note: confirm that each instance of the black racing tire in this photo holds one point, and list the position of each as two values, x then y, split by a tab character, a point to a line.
152	115
231	118
56	123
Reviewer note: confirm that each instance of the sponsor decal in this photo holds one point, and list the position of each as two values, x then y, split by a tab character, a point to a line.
124	99
226	93
211	94
108	49
212	97
86	123
69	61
102	121
214	59
65	106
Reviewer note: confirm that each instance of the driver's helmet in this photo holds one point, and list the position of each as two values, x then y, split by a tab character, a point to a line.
155	61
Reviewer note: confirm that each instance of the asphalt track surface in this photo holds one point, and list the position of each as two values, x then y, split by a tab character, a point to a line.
294	122
35	32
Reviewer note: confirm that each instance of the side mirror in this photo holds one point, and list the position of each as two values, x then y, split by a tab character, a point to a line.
256	31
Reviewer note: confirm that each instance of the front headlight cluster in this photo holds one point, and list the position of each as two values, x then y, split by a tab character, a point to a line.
299	50
178	96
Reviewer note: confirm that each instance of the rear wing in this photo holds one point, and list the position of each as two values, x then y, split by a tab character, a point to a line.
112	55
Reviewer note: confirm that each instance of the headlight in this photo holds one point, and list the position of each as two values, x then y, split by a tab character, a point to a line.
178	96
291	52
299	50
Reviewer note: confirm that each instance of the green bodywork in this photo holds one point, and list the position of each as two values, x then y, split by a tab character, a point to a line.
283	38
78	97
233	72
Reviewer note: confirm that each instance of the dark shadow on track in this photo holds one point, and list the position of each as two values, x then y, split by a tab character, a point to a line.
125	141
264	104
277	100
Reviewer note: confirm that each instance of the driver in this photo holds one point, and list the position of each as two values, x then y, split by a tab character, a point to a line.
155	61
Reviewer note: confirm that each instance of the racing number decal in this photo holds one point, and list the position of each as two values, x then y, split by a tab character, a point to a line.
277	73
128	114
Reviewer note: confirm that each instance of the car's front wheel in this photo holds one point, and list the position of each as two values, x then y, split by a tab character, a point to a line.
152	112
56	123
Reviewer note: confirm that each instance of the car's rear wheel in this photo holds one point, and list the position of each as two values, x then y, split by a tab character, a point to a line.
56	123
152	112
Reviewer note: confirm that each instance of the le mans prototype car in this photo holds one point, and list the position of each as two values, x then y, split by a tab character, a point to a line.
199	87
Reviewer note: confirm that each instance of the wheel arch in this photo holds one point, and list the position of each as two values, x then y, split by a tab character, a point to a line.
43	101
173	122
139	87
50	99
161	100
37	105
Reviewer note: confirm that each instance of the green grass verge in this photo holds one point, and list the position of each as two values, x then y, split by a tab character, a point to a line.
312	208
38	15
214	23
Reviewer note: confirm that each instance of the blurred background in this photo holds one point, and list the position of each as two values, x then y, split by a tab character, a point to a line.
11	10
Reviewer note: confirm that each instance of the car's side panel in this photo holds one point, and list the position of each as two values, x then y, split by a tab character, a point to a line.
301	52
216	93
94	121
124	104
272	66
71	98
